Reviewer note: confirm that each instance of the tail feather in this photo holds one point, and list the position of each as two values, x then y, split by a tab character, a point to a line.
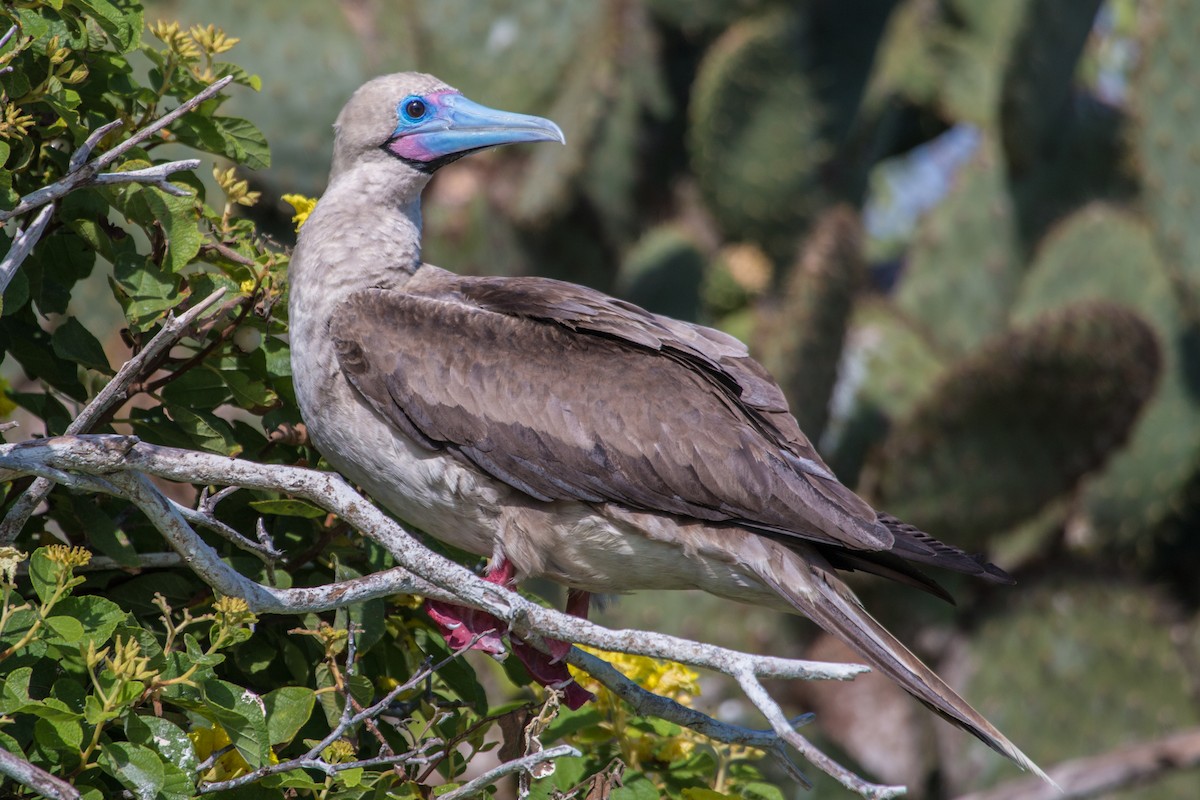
823	598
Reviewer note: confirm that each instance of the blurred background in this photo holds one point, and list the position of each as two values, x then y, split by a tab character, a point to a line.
959	232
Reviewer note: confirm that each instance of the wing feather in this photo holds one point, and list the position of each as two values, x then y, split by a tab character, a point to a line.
565	393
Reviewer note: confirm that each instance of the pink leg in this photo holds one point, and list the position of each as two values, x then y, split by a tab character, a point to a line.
578	603
459	625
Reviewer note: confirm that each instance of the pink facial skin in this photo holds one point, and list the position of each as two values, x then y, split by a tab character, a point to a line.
407	141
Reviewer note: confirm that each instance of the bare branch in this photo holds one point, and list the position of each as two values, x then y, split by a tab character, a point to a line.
22	246
124	462
114	392
154	176
39	780
523	764
1106	773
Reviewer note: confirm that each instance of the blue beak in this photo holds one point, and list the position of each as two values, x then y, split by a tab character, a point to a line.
454	126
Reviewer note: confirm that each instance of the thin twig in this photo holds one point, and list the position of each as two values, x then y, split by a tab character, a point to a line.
313	760
762	700
22	246
156	175
523	764
39	780
114	392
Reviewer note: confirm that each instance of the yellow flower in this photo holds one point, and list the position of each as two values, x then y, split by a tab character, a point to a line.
302	205
69	557
176	40
236	191
212	39
206	741
339	752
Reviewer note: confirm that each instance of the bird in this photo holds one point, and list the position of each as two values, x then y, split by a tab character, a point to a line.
564	433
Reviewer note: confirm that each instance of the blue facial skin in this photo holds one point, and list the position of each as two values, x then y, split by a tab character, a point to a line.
437	128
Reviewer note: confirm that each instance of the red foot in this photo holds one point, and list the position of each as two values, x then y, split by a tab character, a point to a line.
459	625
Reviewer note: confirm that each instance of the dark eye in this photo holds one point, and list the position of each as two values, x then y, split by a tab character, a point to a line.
414	109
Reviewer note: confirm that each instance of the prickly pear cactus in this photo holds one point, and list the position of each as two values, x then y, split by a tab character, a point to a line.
800	339
964	267
1018	423
755	132
664	273
1040	76
1073	670
1101	253
887	366
1167	114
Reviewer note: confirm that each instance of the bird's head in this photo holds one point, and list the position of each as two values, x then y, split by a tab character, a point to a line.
421	122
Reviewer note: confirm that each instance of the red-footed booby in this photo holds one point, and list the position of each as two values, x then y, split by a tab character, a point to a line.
563	432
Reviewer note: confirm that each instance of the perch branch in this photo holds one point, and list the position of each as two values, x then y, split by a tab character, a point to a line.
115	391
122	464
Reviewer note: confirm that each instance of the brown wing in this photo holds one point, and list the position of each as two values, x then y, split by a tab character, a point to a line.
565	393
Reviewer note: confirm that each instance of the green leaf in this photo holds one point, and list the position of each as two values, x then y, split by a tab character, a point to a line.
248	392
76	343
206	430
197	388
104	535
243	716
165	737
245	143
353	777
60	734
67	630
43	573
16	690
288	708
288	508
758	790
640	788
457	674
179	218
138	768
98	616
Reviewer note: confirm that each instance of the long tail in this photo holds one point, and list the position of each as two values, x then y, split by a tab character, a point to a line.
818	594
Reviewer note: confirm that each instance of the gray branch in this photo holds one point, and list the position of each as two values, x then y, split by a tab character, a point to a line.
39	780
114	392
22	246
122	465
524	764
